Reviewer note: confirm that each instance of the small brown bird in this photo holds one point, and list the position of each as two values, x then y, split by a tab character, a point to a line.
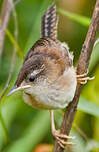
48	77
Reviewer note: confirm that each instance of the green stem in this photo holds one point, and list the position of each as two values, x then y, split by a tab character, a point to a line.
10	36
6	137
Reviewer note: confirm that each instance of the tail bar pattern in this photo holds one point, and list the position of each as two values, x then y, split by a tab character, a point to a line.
49	23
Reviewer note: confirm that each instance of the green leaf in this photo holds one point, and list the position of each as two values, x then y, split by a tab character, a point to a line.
8	107
92	145
32	135
79	143
94	57
75	17
88	107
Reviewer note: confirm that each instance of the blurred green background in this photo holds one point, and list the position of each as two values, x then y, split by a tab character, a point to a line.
22	128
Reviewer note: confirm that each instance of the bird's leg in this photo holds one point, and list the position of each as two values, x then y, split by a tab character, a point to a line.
83	78
57	134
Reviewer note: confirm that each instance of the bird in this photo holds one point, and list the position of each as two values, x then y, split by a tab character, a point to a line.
47	77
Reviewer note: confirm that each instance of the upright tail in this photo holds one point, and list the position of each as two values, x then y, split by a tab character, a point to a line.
49	23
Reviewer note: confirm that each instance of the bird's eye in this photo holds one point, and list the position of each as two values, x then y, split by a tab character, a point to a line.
32	78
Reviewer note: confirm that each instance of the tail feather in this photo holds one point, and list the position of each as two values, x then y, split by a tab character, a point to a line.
49	23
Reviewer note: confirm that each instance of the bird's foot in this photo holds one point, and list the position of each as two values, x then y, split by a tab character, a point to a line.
62	138
83	78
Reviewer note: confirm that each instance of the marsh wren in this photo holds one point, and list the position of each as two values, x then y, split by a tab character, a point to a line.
48	77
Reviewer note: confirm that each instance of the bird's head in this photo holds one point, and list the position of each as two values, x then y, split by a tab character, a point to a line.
37	70
32	73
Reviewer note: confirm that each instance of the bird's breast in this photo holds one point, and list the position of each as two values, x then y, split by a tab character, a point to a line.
56	95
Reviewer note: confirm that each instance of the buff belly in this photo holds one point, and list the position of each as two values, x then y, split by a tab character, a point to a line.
42	105
57	96
30	100
52	99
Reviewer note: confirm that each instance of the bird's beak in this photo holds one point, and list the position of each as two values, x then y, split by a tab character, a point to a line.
15	89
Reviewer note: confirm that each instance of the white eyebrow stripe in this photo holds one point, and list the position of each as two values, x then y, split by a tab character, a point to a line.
35	72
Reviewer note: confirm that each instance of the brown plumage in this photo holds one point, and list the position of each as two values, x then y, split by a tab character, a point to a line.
45	51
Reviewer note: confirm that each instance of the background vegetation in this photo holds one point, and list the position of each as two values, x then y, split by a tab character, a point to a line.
22	128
